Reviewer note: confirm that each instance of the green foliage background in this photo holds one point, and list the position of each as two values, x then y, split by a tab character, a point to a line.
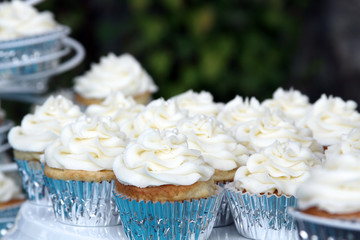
227	47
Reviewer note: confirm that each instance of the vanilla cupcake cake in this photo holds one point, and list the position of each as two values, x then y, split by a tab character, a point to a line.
78	172
292	103
34	134
198	103
158	114
264	190
164	189
19	19
114	73
331	117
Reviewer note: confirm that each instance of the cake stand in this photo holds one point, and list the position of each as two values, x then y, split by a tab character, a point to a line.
35	222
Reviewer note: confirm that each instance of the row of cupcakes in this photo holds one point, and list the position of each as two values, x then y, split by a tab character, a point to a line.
274	153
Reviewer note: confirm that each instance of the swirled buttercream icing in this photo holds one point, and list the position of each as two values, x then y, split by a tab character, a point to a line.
114	73
89	144
39	129
19	19
158	114
240	110
9	190
332	117
198	103
219	149
294	104
158	158
273	126
335	188
116	106
278	168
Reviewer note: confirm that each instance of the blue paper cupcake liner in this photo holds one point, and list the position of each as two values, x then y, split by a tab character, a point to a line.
224	217
83	203
7	218
193	219
32	177
262	216
313	227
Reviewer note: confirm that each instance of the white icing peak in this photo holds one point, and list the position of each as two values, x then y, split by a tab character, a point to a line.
240	110
294	104
114	73
117	106
89	144
332	117
39	129
159	158
158	114
9	190
198	103
279	167
19	19
217	146
335	188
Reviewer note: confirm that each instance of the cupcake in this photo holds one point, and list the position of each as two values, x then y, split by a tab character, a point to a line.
198	103
164	189
11	199
331	117
264	190
28	41
158	114
35	133
240	110
328	201
292	103
219	149
121	109
114	73
271	127
78	172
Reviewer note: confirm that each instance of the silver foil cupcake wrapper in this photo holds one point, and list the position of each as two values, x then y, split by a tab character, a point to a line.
313	227
193	219
262	216
224	217
83	203
32	177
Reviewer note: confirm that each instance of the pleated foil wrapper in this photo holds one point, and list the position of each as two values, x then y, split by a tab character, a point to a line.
32	177
23	56
313	227
262	216
7	218
224	217
193	219
83	203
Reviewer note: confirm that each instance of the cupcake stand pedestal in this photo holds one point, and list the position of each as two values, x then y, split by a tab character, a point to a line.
35	222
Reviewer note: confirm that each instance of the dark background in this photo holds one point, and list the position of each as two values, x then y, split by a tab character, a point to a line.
227	47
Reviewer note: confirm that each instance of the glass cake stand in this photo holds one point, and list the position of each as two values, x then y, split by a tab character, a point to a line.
35	222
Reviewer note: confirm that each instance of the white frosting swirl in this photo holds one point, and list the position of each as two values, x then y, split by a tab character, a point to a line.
89	144
217	146
38	130
198	103
331	118
19	19
279	167
116	106
273	127
335	188
240	110
158	114
294	104
160	158
114	73
9	190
